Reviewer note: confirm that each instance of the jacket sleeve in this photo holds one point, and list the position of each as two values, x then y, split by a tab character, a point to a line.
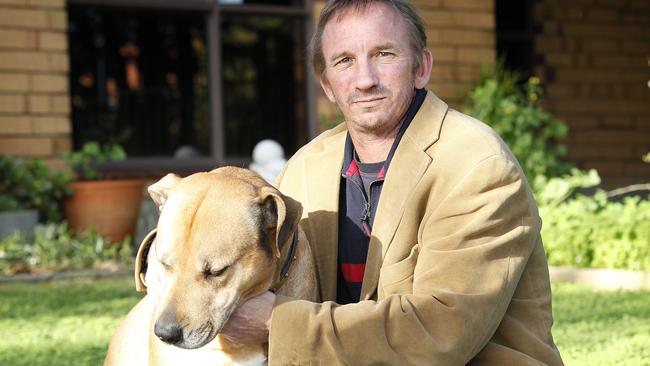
473	246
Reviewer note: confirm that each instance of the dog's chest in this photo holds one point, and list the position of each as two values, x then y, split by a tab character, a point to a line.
211	354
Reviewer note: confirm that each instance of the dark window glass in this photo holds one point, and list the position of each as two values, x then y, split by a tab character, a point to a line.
514	22
139	78
263	76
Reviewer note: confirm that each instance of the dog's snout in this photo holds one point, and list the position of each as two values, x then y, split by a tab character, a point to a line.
167	329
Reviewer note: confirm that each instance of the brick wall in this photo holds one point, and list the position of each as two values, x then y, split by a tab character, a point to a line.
594	59
34	99
461	37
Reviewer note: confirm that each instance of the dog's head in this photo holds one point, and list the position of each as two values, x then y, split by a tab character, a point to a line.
218	241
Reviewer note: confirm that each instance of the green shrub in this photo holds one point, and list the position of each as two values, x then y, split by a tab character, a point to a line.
84	161
592	231
533	135
29	184
53	248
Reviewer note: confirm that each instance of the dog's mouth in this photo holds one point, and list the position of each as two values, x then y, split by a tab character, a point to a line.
196	337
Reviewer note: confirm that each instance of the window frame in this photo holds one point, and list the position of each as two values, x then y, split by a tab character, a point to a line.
152	166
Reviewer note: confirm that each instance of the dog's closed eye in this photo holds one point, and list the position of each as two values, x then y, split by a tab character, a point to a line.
215	273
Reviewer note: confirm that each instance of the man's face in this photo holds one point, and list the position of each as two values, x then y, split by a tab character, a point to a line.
369	67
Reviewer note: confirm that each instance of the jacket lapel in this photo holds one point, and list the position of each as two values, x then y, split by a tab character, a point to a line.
409	164
323	169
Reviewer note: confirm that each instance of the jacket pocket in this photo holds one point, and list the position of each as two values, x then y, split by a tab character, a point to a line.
398	277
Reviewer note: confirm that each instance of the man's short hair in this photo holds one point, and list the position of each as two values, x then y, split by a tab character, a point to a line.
414	24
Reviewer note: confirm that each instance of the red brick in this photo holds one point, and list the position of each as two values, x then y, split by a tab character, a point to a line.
580	122
450	90
62	144
617	121
51	125
601	151
38	104
14	82
57	41
23	61
548	44
26	146
443	53
608	15
468	37
61	104
58	20
637	168
469	4
467	73
15	125
443	73
20	39
605	167
558	59
476	55
57	4
12	103
599	46
58	62
13	2
49	83
24	18
600	137
560	90
464	19
635	47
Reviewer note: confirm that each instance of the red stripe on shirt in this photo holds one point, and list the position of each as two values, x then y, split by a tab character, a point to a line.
353	169
353	272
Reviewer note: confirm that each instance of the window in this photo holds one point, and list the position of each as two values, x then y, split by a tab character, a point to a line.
515	34
162	77
139	79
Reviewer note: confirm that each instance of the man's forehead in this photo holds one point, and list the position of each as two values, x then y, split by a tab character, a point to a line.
344	24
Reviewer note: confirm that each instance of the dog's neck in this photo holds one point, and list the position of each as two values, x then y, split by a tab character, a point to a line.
289	258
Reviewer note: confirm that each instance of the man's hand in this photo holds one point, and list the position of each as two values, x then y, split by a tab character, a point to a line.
250	322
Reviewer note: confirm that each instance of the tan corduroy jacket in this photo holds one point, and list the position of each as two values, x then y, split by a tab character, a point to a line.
456	272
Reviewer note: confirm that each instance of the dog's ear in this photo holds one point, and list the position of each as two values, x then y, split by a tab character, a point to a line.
281	215
160	190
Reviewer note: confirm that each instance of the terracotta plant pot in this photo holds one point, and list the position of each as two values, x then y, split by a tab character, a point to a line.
110	206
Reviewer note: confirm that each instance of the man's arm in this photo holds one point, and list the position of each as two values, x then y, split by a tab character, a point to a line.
473	249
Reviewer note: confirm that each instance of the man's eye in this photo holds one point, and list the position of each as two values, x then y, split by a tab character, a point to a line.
215	273
384	53
343	60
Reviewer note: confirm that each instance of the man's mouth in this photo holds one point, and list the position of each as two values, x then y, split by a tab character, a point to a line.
368	100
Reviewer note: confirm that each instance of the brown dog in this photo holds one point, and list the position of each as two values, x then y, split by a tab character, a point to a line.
222	238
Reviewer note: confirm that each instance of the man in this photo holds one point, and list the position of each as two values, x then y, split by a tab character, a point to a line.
425	232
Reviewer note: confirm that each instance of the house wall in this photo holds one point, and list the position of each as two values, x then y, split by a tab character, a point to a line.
594	61
34	99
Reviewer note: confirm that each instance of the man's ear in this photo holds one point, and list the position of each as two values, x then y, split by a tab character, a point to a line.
423	73
326	88
160	190
282	215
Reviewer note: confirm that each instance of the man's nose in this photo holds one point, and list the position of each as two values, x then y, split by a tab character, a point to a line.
367	76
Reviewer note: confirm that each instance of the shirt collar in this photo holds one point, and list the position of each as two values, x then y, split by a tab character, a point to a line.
350	167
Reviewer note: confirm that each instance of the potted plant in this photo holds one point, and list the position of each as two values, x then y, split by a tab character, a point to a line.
110	206
29	190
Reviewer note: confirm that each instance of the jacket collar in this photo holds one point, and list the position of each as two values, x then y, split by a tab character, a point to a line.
323	167
409	163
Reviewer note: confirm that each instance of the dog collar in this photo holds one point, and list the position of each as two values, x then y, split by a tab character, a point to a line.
284	273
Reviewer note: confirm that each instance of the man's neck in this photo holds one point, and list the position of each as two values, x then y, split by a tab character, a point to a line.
373	147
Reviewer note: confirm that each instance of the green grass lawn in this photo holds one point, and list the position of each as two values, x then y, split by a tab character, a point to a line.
70	323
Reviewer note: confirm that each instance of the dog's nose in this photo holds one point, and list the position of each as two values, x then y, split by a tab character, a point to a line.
168	330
